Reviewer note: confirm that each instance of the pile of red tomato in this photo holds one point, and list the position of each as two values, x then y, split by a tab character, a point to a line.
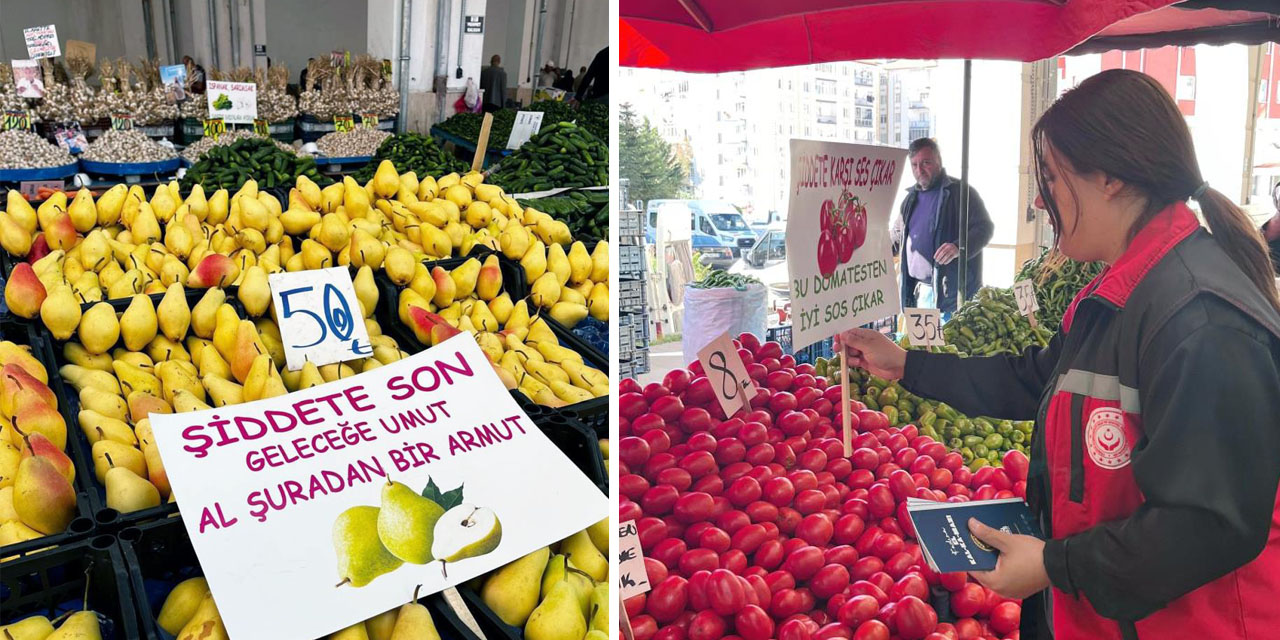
843	227
756	526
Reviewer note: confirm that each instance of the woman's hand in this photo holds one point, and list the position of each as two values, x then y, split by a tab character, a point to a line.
1019	570
873	351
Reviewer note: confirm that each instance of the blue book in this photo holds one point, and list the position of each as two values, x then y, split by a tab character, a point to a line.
942	528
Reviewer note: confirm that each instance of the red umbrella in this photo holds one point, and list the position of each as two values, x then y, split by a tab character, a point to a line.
733	35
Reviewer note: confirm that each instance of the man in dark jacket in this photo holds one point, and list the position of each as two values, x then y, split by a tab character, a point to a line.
927	233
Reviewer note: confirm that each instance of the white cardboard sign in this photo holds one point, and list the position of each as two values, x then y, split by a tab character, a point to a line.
319	317
839	255
42	42
633	577
1024	292
526	125
924	327
270	490
234	102
729	379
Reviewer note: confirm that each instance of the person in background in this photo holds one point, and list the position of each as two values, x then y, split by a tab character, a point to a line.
565	82
1155	457
550	73
195	74
577	83
493	81
1271	230
595	83
927	232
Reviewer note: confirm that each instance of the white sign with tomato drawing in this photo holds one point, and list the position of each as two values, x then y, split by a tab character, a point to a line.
839	254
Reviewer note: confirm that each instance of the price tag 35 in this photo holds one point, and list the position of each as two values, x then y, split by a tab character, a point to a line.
1025	294
320	316
924	327
729	379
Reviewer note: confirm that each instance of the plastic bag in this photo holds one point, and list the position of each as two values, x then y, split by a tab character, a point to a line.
711	312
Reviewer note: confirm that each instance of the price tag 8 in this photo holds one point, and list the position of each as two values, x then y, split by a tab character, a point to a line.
924	327
260	127
729	379
526	125
633	579
320	315
1025	294
214	127
369	120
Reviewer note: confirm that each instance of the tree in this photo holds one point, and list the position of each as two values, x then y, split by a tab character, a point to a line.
648	162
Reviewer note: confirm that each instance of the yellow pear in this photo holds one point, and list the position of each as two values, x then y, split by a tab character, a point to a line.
254	292
138	324
173	313
366	290
99	328
60	312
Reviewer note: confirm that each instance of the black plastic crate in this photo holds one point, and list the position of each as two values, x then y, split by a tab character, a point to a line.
83	524
594	413
69	402
58	581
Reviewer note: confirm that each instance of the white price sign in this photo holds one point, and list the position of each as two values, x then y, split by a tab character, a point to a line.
319	316
729	379
42	42
527	123
234	102
924	327
1025	293
633	578
314	510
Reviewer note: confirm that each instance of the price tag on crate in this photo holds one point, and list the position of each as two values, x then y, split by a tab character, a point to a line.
729	380
260	127
214	127
924	327
16	120
320	317
122	121
343	123
526	125
31	188
369	120
633	579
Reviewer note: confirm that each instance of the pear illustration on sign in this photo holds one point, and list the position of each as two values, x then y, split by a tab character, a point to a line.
413	528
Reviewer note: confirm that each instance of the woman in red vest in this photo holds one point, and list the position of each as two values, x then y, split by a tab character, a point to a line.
1156	456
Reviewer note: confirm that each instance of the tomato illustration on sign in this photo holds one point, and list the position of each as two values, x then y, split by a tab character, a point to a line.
843	227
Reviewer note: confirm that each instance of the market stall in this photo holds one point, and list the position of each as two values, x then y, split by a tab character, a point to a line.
771	490
133	306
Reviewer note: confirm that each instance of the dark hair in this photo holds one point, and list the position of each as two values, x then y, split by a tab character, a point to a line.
922	143
1124	124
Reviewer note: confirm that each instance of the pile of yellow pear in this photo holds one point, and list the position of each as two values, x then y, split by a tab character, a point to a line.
80	625
190	613
37	478
172	358
123	244
555	594
527	355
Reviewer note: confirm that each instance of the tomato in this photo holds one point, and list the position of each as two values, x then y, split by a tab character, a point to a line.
914	619
828	255
1016	464
968	600
752	623
668	599
911	585
829	581
706	625
644	627
968	629
786	603
872	630
804	562
953	581
1005	617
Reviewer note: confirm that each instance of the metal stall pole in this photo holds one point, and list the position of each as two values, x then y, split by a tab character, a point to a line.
963	290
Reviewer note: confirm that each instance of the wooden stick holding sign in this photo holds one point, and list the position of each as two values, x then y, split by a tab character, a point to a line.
482	144
459	607
729	379
845	400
